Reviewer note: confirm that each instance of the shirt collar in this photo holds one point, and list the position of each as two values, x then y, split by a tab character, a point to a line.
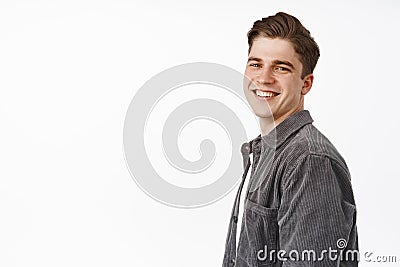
280	133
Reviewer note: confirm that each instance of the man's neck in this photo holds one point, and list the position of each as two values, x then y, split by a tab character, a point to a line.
268	124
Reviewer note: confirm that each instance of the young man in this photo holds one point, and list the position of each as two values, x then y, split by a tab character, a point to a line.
299	208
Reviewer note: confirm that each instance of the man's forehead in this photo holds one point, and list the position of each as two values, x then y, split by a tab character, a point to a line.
268	49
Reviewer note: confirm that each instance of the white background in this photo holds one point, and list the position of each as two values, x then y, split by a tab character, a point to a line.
68	71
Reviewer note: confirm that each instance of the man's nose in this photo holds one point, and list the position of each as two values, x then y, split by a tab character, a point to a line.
266	76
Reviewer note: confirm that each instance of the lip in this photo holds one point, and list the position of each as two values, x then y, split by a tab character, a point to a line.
254	91
264	98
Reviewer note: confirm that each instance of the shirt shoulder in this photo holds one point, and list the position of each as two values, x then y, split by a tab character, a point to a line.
311	159
310	142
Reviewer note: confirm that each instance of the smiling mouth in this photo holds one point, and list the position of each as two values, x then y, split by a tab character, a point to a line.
265	94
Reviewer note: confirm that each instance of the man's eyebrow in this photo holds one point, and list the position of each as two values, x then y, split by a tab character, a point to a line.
254	59
283	62
275	62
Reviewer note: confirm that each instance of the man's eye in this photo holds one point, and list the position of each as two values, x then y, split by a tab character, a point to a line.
255	65
281	69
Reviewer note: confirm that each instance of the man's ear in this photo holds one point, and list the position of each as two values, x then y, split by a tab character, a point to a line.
307	83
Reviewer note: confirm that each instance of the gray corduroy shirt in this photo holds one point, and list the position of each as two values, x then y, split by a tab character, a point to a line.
299	208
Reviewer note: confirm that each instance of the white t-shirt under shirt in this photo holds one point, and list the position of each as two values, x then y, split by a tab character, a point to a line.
241	203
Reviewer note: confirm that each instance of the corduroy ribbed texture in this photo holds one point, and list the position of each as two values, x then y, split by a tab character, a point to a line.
303	202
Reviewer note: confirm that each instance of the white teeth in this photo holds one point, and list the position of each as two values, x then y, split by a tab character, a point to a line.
265	94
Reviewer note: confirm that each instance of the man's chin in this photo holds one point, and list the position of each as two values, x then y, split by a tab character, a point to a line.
264	115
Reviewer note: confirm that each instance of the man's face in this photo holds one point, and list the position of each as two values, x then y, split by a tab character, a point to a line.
274	73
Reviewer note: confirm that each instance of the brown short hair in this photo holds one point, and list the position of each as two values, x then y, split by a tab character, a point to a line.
288	28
